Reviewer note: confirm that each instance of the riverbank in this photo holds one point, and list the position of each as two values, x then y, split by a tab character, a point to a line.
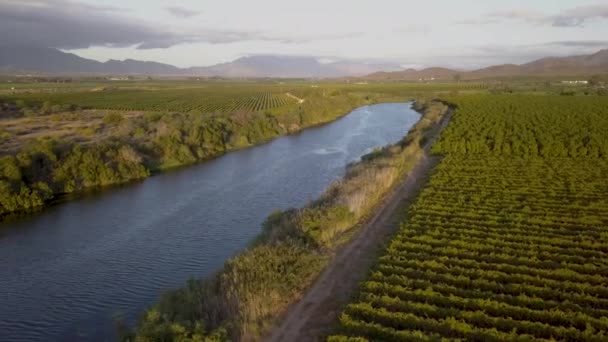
315	315
244	299
113	253
126	148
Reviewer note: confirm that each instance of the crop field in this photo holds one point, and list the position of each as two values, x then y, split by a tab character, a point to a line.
546	126
176	100
210	97
509	239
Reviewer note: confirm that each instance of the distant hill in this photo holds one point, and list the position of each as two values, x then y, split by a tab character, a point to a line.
289	67
47	60
15	60
596	63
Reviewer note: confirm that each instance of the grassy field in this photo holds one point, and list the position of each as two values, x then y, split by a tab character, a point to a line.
207	97
509	240
210	99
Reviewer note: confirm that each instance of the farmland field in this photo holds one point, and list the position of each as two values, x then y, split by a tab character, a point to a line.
132	129
509	239
180	100
209	97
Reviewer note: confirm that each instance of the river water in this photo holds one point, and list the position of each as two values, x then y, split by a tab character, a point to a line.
66	272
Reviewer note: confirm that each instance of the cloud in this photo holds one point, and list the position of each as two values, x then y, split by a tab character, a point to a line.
413	29
521	14
67	24
181	12
300	39
578	16
500	16
572	17
70	25
478	21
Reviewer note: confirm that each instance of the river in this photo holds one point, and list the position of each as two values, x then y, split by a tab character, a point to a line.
66	272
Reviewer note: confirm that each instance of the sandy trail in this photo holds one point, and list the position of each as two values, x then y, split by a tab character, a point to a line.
313	317
295	97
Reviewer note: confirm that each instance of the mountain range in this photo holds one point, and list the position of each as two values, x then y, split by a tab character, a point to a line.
20	60
15	60
596	63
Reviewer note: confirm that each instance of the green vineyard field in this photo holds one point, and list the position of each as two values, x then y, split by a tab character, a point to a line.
213	97
174	100
546	126
509	239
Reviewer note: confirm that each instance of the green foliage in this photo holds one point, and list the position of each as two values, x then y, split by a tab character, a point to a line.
42	170
228	97
113	118
547	126
98	166
238	300
174	319
507	241
321	223
201	100
31	108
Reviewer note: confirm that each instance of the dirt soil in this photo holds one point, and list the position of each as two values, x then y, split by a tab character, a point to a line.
316	314
66	127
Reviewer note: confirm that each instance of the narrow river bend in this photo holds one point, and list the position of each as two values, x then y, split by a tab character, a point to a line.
64	273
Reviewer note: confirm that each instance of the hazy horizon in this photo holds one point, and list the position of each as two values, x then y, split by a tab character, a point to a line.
464	35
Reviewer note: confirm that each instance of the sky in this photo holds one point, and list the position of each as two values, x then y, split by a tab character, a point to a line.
463	34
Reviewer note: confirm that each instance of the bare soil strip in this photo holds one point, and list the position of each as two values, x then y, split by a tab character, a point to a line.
316	313
295	97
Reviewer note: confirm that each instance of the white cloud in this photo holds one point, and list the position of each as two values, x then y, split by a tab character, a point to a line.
181	12
572	17
68	24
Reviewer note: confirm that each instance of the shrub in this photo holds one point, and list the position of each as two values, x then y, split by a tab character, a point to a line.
113	118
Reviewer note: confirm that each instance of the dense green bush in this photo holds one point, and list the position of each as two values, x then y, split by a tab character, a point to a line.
20	107
44	169
113	118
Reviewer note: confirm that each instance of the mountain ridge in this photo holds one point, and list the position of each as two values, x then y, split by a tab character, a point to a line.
49	60
15	60
547	66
